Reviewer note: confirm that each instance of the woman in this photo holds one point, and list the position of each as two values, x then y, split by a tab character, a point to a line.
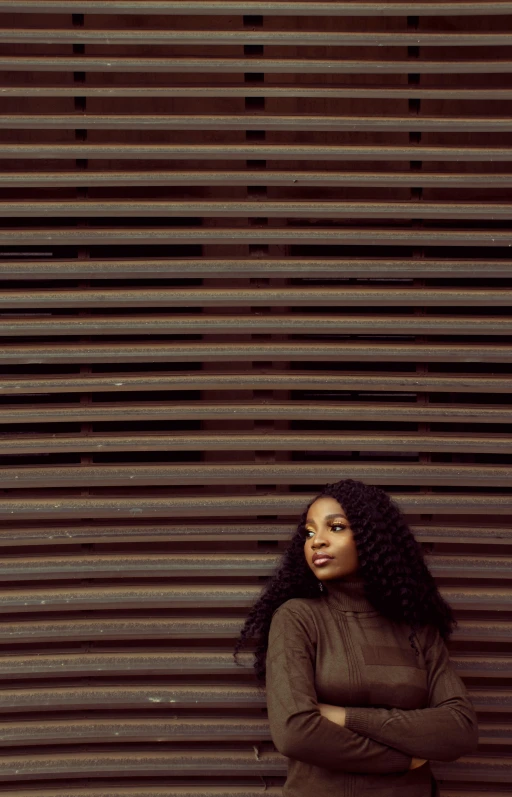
350	630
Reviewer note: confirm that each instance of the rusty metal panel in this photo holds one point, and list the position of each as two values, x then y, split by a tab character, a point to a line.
238	260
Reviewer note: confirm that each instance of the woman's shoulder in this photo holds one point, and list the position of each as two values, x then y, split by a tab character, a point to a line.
295	619
303	609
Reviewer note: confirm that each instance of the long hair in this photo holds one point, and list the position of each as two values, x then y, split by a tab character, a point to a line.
396	579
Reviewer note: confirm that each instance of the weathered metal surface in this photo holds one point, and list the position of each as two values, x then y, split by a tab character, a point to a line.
259	441
291	324
184	473
267	7
201	505
299	122
254	150
262	380
147	36
144	730
308	268
112	790
207	761
123	586
146	790
289	177
260	410
156	596
146	628
233	90
121	696
227	64
328	210
84	236
320	350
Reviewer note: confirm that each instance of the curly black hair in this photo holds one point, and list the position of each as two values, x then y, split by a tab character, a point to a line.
396	579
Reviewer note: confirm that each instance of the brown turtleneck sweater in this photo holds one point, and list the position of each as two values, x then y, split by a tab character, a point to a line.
338	649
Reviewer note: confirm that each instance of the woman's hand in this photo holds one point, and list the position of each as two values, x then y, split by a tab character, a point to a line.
417	762
334	713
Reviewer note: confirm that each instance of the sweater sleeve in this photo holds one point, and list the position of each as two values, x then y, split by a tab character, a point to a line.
444	731
298	729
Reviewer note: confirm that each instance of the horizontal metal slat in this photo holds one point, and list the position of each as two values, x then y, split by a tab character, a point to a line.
100	731
474	770
148	627
443	474
138	628
71	534
332	295
303	122
160	565
238	505
146	597
288	178
329	91
147	37
253	151
117	696
212	65
312	411
259	441
167	762
272	267
146	790
290	324
210	565
121	663
344	236
272	209
267	7
257	380
321	351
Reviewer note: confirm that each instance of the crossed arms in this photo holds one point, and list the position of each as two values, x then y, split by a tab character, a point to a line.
371	740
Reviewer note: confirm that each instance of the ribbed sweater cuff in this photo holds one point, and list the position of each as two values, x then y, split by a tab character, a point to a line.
358	721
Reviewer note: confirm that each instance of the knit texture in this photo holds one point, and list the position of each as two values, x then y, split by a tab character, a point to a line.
338	649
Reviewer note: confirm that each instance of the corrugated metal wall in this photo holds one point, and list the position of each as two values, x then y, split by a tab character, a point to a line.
246	248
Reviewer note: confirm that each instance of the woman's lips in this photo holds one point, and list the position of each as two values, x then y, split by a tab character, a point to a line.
321	561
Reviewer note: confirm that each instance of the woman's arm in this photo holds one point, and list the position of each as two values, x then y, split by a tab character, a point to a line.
297	727
443	732
337	714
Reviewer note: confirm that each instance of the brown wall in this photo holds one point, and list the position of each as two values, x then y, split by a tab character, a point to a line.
234	270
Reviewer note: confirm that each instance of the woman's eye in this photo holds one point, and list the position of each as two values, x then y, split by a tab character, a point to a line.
338	527
309	533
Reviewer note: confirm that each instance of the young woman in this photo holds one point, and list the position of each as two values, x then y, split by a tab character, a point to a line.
350	633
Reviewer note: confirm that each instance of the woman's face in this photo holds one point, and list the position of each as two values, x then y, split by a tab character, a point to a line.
329	548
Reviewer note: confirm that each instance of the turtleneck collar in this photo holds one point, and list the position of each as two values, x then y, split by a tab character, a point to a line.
347	594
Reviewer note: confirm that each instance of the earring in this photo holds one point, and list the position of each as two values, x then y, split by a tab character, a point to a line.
321	586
